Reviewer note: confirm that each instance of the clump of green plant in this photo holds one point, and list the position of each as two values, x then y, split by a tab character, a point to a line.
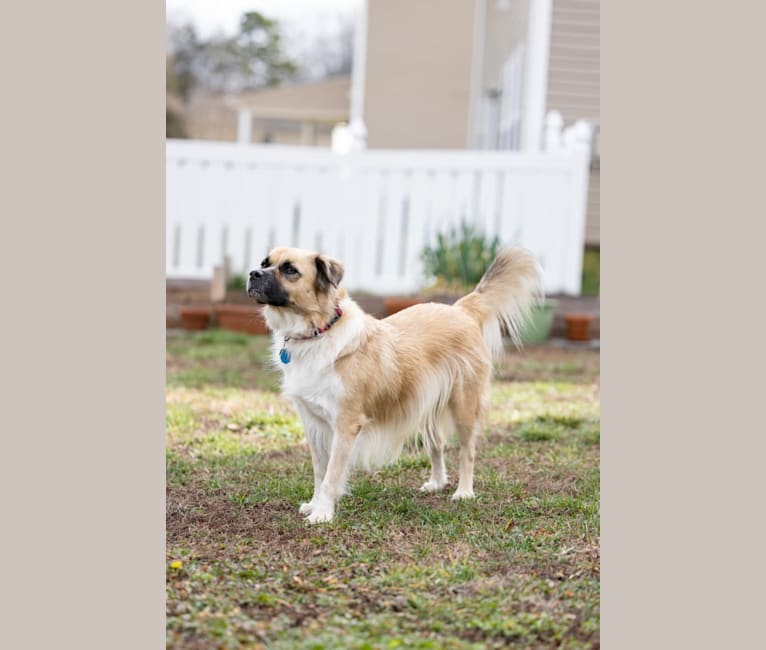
591	272
459	258
236	282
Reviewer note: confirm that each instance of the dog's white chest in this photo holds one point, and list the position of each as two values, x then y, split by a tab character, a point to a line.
318	388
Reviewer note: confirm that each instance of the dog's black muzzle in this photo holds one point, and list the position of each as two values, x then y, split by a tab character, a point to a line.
265	289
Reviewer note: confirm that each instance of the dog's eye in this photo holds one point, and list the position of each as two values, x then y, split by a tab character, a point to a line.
288	269
265	263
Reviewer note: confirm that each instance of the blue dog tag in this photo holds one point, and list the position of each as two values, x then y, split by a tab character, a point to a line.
284	356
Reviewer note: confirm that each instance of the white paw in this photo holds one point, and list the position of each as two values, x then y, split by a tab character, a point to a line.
463	494
319	515
432	486
306	508
322	509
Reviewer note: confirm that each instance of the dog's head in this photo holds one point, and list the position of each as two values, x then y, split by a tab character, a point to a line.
298	288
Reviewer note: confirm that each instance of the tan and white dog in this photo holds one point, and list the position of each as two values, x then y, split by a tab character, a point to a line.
363	386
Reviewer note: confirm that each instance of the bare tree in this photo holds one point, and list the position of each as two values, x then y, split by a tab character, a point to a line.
329	53
251	58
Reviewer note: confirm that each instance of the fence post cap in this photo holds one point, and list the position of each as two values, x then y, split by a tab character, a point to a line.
582	129
358	134
553	123
554	120
341	138
578	136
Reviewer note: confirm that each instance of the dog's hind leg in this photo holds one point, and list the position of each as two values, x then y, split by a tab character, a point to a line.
467	434
438	472
438	479
468	414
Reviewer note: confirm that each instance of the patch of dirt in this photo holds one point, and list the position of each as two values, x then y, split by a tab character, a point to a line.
547	363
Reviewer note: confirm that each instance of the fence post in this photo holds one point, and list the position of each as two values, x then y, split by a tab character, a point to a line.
553	125
357	128
358	132
577	142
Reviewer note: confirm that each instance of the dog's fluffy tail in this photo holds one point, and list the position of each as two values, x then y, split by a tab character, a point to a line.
504	296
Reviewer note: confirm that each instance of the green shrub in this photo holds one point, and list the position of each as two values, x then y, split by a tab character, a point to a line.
591	264
236	282
460	258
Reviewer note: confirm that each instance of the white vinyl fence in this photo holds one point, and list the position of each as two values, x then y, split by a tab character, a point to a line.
374	210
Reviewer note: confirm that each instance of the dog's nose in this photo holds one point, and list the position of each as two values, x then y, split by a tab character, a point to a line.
254	275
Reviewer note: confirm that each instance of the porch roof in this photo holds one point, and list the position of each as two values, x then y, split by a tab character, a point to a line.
322	101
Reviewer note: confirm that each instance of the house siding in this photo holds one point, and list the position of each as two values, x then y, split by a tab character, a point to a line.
208	118
574	81
418	76
573	64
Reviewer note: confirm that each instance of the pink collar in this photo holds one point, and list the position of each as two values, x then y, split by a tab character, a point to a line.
317	331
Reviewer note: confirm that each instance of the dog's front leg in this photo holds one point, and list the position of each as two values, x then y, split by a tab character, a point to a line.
334	482
319	463
318	434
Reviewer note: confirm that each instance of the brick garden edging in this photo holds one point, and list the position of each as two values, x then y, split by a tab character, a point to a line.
197	292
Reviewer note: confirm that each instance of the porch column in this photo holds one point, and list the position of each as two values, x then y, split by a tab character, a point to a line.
308	133
357	127
244	126
536	73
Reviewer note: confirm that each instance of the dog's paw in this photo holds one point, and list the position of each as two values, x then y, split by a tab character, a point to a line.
463	494
306	508
432	486
320	515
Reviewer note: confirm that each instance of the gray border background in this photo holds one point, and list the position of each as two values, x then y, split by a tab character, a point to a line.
682	194
83	325
82	200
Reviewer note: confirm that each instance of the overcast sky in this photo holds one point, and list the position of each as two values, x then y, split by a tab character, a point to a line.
210	16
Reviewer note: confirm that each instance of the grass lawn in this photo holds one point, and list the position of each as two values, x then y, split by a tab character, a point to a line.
516	567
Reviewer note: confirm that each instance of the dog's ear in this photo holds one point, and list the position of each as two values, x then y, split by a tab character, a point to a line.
329	272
